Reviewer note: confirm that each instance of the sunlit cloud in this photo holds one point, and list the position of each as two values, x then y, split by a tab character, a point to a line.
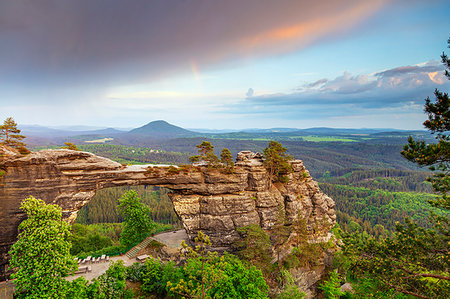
395	91
307	30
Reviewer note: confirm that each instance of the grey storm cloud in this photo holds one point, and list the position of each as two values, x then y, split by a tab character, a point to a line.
95	41
397	87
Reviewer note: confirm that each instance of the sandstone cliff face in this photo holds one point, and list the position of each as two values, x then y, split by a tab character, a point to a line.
206	200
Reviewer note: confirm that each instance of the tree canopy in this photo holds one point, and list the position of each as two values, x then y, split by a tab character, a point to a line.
10	134
277	161
41	256
206	154
70	146
138	223
415	261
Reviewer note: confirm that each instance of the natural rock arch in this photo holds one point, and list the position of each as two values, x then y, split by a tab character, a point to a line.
207	200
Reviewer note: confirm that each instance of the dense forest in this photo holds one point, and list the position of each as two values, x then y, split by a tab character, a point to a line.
135	155
103	207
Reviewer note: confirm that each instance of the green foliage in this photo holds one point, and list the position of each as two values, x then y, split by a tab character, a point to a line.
134	272
156	275
255	247
70	146
135	154
103	207
435	155
78	289
414	261
41	256
138	223
290	289
227	159
206	154
173	170
82	241
110	285
378	207
279	234
207	275
277	161
331	287
10	134
392	180
304	253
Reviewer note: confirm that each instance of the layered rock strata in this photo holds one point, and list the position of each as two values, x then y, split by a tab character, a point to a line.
207	200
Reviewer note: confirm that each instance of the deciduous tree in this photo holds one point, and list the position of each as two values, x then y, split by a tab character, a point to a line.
138	223
208	275
41	256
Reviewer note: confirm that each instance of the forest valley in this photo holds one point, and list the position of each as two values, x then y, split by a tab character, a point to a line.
391	204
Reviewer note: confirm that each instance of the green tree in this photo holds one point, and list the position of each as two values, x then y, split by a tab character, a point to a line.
277	161
10	134
41	256
207	275
415	261
138	223
279	234
206	154
435	155
112	284
255	247
70	146
290	290
227	159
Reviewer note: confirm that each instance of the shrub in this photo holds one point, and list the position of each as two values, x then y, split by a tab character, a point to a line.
134	272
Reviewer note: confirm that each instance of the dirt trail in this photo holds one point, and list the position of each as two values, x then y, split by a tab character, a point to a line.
171	239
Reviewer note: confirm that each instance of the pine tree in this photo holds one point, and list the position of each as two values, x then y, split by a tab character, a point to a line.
206	154
277	161
10	134
415	261
227	159
70	146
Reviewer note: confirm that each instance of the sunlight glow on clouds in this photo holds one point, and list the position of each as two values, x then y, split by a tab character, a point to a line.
399	90
219	64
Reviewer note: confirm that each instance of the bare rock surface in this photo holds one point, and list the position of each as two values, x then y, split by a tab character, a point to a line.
207	200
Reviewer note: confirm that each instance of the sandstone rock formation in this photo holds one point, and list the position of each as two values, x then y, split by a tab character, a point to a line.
207	200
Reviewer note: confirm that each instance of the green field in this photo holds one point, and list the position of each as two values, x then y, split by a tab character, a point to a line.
327	138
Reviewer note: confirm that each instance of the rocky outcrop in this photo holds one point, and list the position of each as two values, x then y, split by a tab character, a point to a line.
207	200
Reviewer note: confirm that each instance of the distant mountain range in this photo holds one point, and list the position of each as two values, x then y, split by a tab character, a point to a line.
162	130
40	131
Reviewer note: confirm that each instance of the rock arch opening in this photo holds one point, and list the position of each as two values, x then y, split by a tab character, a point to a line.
208	200
103	206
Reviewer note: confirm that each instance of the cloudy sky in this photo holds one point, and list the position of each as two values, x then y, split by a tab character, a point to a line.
222	64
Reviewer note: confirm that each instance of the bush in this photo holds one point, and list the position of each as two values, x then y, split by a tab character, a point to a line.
110	284
134	272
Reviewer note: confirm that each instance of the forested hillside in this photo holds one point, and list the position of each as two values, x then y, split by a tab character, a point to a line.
103	207
135	155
